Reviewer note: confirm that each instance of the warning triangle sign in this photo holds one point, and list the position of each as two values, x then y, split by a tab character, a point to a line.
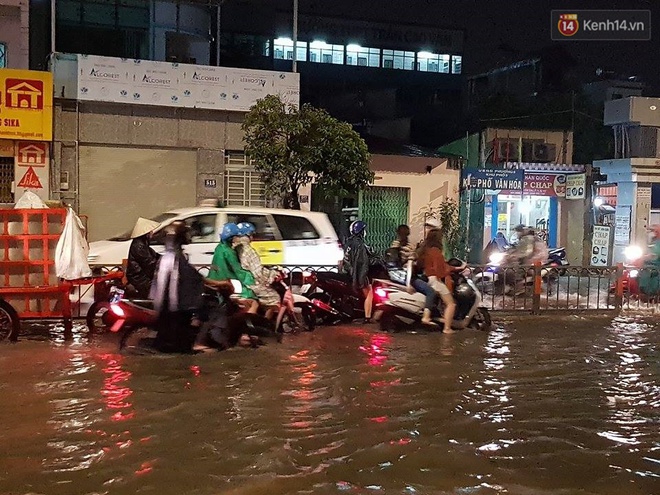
30	180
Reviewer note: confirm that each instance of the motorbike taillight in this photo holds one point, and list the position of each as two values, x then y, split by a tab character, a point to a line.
381	294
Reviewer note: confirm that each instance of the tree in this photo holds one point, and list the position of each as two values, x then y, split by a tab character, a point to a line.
292	146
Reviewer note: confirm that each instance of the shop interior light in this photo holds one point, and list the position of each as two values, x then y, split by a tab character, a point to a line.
353	48
425	55
318	44
525	207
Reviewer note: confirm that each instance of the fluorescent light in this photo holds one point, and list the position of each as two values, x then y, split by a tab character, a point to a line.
283	41
353	48
318	44
426	55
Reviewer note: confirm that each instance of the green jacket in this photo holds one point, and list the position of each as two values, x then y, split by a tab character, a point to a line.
226	266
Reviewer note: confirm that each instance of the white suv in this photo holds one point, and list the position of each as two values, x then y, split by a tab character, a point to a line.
282	237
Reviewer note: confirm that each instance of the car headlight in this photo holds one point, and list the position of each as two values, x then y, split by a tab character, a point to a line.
496	258
633	253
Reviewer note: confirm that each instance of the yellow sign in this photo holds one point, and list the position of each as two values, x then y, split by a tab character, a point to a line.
26	105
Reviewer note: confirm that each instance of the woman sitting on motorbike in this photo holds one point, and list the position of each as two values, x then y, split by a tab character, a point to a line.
264	278
225	266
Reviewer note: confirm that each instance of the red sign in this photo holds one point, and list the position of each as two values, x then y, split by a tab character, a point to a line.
24	94
31	154
540	184
30	180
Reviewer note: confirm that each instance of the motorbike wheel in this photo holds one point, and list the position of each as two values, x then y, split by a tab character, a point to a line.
97	319
308	317
481	320
389	323
10	323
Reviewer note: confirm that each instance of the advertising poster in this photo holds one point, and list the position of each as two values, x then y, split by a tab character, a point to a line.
600	246
26	105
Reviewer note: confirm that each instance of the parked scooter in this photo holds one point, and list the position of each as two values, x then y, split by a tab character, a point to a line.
9	322
401	310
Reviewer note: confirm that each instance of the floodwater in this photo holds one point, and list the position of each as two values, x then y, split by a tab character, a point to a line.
537	406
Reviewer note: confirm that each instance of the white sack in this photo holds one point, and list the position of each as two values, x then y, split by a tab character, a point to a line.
29	200
72	250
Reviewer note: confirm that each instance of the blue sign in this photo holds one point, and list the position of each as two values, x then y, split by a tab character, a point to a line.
494	179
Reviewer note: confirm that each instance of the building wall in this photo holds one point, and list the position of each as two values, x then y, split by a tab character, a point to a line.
562	140
93	139
426	190
15	32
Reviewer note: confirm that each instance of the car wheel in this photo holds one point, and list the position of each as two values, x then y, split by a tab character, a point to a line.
10	323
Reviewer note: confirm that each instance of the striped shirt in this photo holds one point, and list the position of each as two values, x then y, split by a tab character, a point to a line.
406	251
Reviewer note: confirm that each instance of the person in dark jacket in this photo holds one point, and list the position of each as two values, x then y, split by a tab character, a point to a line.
177	292
357	262
142	259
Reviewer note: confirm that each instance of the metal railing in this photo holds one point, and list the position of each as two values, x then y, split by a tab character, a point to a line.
534	289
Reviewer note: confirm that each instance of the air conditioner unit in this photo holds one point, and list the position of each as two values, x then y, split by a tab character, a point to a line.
544	153
507	150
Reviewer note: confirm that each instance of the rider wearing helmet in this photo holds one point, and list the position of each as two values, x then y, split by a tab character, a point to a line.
225	264
264	277
356	263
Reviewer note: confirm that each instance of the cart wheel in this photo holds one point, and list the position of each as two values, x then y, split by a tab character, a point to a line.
97	318
10	324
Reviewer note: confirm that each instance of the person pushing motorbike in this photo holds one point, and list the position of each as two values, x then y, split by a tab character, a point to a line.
356	263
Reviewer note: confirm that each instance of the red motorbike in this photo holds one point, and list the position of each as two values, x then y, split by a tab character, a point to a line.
630	280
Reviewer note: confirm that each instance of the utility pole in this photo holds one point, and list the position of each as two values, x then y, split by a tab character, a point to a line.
294	65
53	23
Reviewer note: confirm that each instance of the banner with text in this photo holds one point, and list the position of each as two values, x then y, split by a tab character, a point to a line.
493	179
145	82
542	184
26	105
31	168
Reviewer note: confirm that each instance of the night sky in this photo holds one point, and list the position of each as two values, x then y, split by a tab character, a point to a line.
502	31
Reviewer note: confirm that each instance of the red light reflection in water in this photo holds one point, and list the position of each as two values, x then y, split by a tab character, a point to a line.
196	370
115	392
376	350
303	391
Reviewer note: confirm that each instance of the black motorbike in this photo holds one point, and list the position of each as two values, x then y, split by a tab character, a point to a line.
333	296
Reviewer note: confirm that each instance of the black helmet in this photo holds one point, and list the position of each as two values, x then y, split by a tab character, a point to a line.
520	228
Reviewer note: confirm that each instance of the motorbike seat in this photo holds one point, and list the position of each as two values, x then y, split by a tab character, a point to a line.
340	277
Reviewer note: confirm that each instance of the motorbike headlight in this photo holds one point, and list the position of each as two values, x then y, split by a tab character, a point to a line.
496	258
633	253
634	273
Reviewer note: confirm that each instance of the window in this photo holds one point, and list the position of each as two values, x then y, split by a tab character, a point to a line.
243	186
432	62
456	64
283	49
3	55
320	51
295	228
396	59
362	56
202	228
264	229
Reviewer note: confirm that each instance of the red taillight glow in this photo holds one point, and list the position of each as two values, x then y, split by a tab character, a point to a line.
380	293
117	310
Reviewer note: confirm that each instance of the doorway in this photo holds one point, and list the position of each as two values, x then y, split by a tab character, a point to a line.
6	179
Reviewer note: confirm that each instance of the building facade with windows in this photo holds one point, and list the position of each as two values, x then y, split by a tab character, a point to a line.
14	34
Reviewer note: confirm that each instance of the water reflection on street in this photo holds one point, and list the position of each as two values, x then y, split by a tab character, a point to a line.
545	405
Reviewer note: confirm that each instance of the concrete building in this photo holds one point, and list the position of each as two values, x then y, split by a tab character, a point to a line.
140	137
14	34
633	174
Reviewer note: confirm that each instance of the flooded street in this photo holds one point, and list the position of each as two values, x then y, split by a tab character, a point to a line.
538	406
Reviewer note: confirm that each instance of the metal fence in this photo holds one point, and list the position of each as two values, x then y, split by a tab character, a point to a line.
533	289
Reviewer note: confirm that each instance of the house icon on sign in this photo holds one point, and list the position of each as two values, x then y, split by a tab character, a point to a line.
32	154
27	94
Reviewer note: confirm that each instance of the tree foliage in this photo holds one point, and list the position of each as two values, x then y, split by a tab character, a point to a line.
292	146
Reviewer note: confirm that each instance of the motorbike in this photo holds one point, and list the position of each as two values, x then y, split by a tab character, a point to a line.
129	315
400	309
333	296
497	278
305	309
633	268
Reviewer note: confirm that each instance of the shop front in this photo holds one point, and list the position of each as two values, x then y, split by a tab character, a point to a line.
26	131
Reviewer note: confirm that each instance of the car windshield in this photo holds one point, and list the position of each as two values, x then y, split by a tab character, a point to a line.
158	218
